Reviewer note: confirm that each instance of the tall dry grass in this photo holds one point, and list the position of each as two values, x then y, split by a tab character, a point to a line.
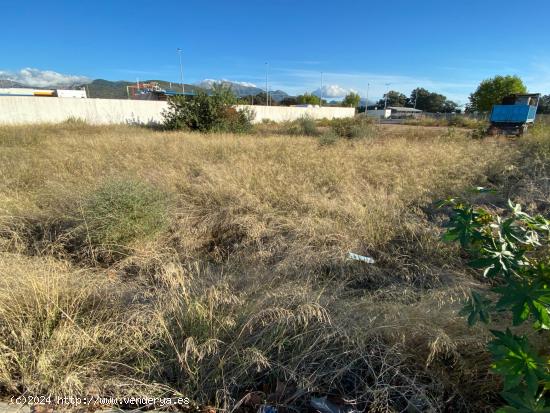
228	269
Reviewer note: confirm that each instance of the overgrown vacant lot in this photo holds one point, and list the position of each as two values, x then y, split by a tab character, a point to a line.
135	262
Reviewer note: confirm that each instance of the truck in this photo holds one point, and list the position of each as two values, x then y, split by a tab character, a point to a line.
514	115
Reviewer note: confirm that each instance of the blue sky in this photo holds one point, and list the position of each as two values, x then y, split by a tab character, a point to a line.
447	47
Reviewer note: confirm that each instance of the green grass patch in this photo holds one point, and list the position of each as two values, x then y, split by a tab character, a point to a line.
121	212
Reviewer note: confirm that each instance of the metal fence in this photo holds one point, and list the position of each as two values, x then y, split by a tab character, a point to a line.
476	116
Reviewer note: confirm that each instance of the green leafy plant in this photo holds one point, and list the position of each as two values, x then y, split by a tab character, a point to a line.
513	250
205	112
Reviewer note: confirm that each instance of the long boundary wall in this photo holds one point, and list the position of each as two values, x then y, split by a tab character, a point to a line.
286	113
24	110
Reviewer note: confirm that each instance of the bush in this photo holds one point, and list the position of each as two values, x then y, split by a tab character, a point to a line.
207	113
305	126
352	128
73	120
237	121
121	212
328	138
456	120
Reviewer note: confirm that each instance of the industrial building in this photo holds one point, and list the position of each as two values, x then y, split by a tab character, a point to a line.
394	112
60	93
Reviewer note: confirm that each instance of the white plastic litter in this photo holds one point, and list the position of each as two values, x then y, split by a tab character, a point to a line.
358	257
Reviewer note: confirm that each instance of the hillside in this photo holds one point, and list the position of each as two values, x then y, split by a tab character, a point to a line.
10	83
106	89
244	89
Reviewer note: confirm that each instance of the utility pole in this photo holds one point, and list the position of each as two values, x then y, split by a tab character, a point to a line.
386	96
266	83
367	101
321	92
181	71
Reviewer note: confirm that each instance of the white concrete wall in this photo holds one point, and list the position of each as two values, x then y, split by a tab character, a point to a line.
284	113
24	110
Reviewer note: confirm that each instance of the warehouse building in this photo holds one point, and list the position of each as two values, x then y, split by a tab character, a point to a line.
60	93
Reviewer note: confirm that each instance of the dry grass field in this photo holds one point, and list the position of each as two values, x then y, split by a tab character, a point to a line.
140	262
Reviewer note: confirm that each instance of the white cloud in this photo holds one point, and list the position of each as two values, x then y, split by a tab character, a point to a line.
207	83
42	78
332	91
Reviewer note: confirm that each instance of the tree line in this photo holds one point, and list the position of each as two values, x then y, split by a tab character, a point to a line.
488	93
419	98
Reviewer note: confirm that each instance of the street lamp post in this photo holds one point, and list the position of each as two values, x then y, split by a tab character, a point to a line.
386	97
367	100
266	83
321	92
181	71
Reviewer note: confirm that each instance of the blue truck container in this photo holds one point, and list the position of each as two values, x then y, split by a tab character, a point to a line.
514	115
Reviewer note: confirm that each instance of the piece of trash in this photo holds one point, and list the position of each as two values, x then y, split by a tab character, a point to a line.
267	408
358	257
323	405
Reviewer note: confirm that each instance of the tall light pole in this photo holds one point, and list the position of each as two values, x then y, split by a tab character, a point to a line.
181	71
321	92
266	83
386	97
367	101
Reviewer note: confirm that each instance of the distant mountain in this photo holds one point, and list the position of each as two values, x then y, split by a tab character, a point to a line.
6	83
239	88
101	88
278	95
363	101
107	89
10	83
242	89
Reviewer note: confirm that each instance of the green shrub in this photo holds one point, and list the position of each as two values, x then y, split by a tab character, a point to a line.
207	113
352	128
459	121
328	138
304	126
121	212
75	121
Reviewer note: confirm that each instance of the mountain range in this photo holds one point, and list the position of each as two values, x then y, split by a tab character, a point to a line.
242	89
107	89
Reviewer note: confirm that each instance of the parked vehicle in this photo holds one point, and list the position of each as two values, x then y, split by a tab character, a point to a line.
514	115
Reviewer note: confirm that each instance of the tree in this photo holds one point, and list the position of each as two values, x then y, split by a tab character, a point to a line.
544	104
431	102
491	91
289	101
351	100
308	99
394	98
